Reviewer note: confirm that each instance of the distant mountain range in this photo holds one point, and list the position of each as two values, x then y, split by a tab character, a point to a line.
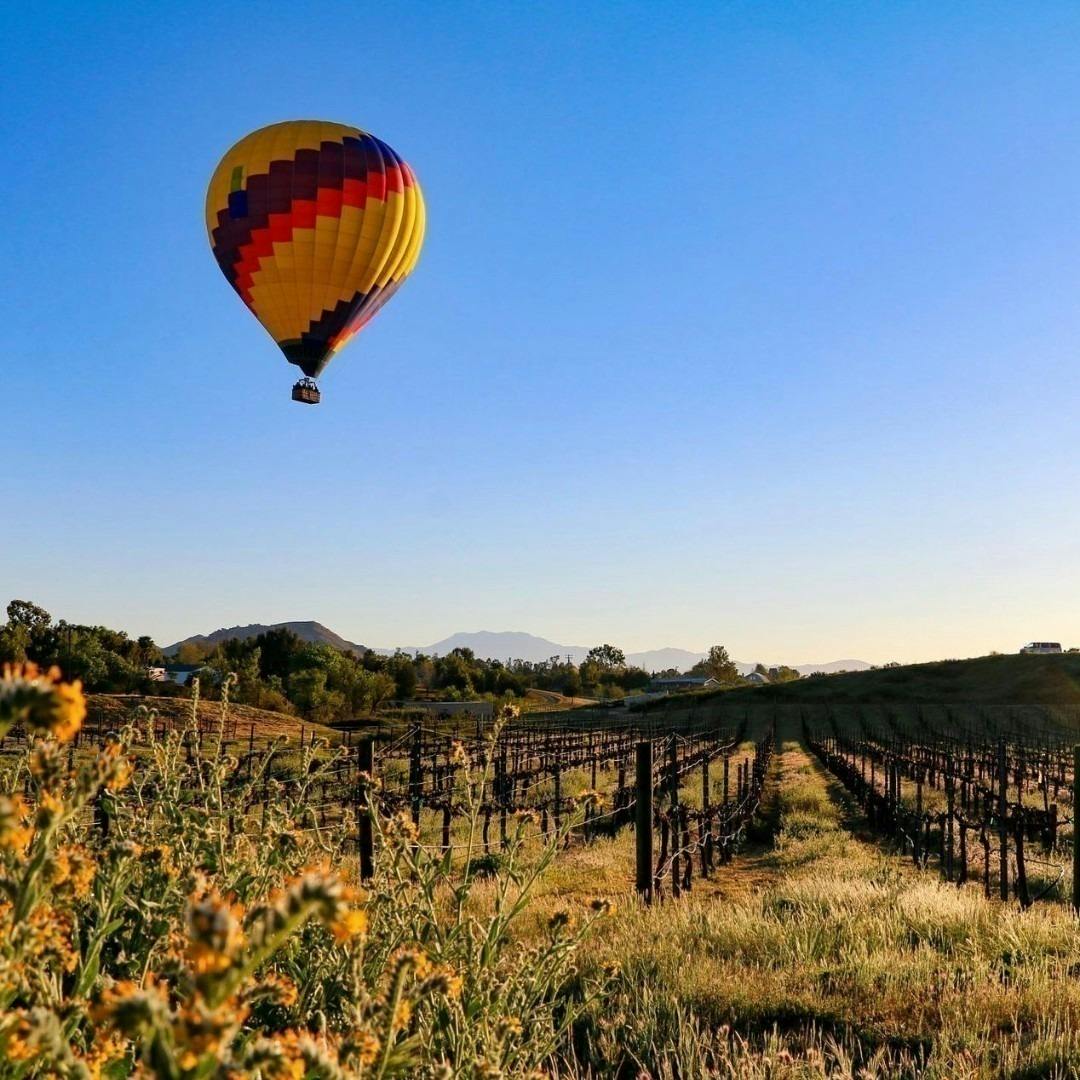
508	645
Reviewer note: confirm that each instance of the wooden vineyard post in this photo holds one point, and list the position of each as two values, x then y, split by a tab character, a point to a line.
950	819
1021	871
416	776
1003	824
643	821
917	839
871	800
673	780
1076	830
962	875
365	764
705	828
504	796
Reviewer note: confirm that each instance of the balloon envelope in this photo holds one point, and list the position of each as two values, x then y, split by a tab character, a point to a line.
315	225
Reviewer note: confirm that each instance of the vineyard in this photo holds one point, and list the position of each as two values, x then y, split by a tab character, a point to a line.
972	797
707	889
687	776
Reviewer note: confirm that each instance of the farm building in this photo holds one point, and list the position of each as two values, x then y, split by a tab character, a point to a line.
677	683
181	674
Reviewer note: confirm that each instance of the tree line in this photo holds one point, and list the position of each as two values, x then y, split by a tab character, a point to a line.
279	671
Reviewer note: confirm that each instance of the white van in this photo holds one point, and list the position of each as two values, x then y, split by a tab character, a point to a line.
1041	647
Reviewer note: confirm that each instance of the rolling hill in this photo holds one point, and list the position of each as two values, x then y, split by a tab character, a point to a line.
104	711
989	680
306	631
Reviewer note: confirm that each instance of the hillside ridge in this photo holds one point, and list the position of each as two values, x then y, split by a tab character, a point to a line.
306	630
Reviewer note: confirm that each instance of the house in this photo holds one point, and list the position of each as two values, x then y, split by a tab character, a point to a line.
756	678
181	674
677	684
156	674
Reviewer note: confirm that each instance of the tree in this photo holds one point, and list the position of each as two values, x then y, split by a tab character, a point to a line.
149	654
191	653
14	643
307	689
401	668
248	683
607	658
571	683
24	613
454	670
719	666
782	673
634	678
383	688
276	650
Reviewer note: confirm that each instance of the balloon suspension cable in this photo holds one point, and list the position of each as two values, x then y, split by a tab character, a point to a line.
306	391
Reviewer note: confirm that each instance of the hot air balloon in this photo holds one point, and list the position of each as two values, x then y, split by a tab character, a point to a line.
315	225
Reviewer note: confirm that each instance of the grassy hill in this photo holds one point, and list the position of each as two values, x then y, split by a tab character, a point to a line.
1006	680
114	709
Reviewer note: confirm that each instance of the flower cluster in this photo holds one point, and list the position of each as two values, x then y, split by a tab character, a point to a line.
40	701
164	913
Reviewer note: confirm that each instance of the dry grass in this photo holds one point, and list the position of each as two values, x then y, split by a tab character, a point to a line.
826	955
115	710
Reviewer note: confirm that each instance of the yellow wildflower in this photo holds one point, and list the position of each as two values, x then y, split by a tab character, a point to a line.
351	923
69	710
49	808
402	1014
367	1048
16	1038
215	936
15	833
121	775
40	701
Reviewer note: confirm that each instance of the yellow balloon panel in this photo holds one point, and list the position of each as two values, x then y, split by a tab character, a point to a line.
315	225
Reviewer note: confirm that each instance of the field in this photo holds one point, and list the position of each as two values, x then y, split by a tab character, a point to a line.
1049	680
191	898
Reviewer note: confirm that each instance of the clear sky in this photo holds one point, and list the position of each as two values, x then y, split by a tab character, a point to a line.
742	322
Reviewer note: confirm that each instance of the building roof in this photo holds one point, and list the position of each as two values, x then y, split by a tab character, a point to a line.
683	680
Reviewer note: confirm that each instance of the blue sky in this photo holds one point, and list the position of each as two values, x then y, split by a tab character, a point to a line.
747	322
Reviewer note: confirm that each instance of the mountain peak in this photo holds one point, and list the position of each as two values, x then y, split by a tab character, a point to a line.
306	630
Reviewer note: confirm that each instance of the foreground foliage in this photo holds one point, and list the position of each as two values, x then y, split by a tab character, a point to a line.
145	930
